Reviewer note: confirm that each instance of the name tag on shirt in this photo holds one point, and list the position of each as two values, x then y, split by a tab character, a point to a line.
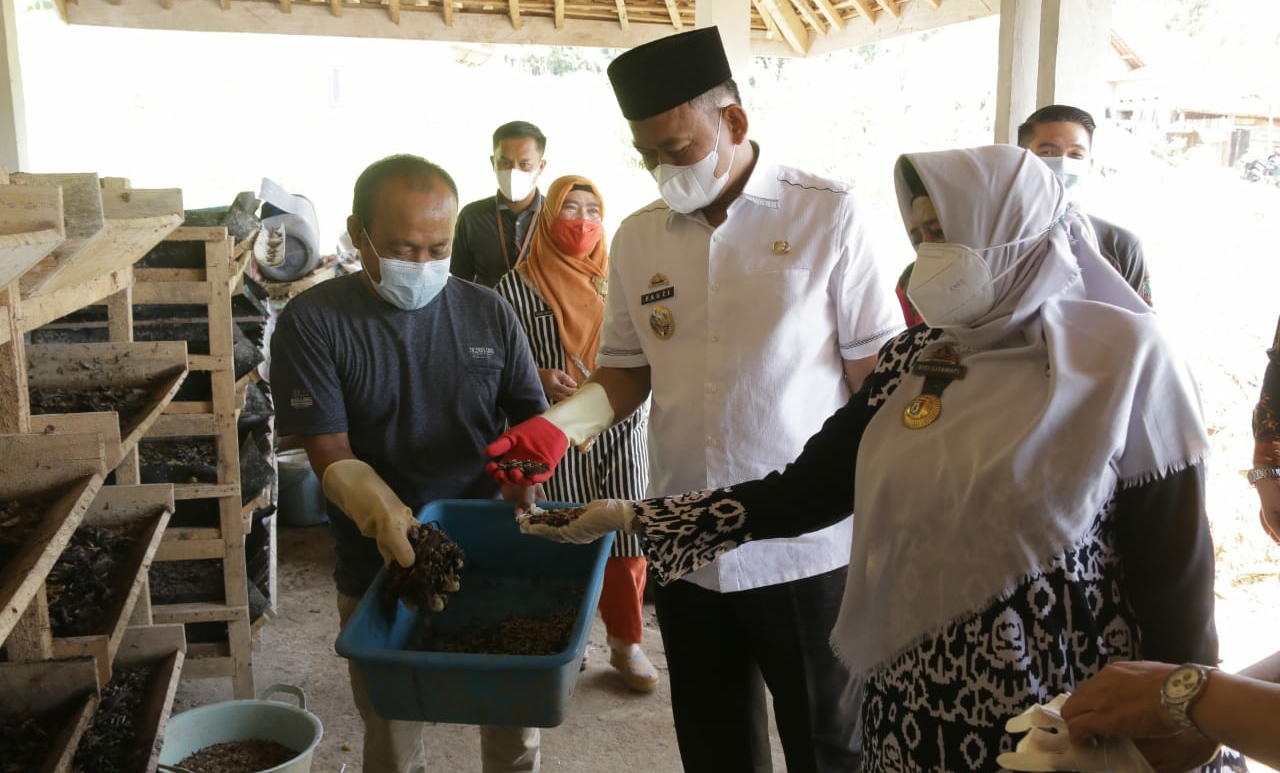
657	295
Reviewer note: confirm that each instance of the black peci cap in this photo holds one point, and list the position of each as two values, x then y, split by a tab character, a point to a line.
658	76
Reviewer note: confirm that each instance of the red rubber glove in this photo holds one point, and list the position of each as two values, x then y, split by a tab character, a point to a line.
535	440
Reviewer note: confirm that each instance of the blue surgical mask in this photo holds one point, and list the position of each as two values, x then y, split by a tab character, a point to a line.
1070	171
407	284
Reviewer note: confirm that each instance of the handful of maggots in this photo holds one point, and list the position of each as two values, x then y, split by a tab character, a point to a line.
437	560
551	516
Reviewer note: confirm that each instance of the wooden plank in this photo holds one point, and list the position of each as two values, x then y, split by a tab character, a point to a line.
207	491
936	4
864	8
891	6
335	8
789	24
103	423
833	16
189	550
149	508
31	227
34	464
286	6
185	424
198	612
15	403
622	15
674	13
209	362
134	222
125	363
22	579
446	6
169	275
31	637
514	5
49	685
162	647
83	220
558	13
146	293
42	309
809	15
393	11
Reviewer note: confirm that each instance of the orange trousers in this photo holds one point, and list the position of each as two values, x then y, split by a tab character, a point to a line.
622	597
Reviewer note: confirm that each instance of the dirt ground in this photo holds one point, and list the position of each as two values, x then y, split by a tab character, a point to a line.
609	728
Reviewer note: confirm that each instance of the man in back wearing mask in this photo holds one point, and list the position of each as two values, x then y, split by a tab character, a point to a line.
395	377
1062	136
494	233
747	302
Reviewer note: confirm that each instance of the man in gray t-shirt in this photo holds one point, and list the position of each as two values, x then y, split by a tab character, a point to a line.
396	377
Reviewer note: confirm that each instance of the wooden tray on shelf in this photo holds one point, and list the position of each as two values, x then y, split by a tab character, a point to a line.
159	366
67	687
161	648
107	229
30	227
147	507
69	466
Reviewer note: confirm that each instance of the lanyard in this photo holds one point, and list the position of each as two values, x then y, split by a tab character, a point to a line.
502	239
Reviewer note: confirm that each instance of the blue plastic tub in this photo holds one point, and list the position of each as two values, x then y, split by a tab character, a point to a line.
507	575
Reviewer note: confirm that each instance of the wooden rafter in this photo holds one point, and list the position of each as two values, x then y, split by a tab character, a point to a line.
809	15
393	10
622	15
864	8
335	8
559	12
829	11
286	6
891	6
769	23
936	4
789	24
226	4
515	13
447	7
62	10
674	13
166	3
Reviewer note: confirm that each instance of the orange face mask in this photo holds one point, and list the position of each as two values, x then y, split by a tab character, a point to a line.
576	237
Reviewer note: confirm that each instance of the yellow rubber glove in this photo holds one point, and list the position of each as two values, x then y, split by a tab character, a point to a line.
368	501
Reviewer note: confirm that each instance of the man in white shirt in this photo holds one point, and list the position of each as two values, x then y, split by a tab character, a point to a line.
747	302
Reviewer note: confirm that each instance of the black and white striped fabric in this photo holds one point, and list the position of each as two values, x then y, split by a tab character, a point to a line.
616	466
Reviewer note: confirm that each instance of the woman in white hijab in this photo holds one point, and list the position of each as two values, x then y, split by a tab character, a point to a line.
1025	469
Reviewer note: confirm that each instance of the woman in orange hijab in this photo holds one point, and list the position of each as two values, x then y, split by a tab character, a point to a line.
558	294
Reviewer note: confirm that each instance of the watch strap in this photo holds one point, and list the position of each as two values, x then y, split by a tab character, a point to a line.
1178	708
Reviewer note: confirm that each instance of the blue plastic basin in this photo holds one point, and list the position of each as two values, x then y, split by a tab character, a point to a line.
507	575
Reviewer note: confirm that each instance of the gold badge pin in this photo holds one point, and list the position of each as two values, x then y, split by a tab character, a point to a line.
662	322
659	280
781	247
921	412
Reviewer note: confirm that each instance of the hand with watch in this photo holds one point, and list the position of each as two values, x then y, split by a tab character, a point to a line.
1266	480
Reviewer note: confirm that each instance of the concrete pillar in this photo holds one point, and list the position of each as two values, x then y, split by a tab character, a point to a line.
1051	52
13	129
733	17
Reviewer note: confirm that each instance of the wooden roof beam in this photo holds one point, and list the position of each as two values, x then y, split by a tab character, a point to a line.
286	6
829	11
226	4
809	15
393	10
447	7
515	13
892	7
769	23
789	24
559	12
335	8
936	4
622	16
674	13
864	8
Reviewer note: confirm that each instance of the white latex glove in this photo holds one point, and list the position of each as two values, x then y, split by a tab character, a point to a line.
368	501
1047	746
599	517
583	416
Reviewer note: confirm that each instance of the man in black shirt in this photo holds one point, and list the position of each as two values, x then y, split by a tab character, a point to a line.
494	233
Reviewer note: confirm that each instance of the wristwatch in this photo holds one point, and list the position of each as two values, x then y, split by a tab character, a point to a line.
1180	690
1258	473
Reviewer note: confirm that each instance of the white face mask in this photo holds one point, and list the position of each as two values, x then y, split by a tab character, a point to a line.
690	188
1070	171
515	184
951	285
407	284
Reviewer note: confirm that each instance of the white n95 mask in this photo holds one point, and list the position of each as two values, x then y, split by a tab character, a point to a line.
690	188
950	284
515	184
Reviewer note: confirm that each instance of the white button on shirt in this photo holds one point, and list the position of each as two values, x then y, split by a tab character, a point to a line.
791	289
